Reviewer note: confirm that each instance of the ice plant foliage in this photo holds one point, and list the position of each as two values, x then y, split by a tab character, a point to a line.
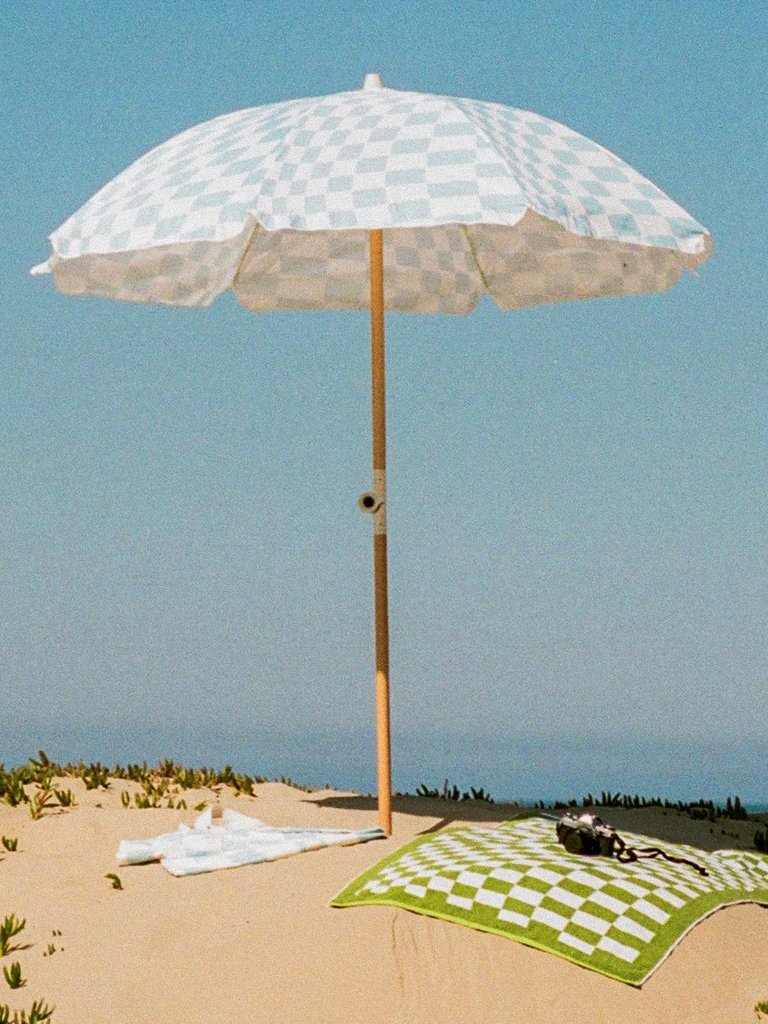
9	929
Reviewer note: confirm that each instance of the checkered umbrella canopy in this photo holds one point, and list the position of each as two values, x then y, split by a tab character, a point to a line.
275	202
454	197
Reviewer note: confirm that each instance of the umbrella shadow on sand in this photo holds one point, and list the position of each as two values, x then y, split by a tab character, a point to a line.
666	824
448	812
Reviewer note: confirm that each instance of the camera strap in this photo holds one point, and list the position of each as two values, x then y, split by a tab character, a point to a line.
628	854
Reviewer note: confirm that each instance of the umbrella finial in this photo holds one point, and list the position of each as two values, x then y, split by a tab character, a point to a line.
372	81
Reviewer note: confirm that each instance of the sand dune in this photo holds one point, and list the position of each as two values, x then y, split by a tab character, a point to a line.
259	943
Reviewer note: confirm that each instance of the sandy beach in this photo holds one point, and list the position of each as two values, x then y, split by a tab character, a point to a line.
259	943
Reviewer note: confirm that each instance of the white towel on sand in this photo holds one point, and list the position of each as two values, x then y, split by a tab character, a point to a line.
230	841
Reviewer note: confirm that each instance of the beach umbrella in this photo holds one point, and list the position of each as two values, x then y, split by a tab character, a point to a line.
383	200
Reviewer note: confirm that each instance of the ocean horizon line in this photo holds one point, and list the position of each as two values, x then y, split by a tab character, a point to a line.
522	769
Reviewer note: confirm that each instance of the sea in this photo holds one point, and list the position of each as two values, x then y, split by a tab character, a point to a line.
561	765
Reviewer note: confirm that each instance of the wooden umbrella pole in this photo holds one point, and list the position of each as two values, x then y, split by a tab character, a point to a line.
381	612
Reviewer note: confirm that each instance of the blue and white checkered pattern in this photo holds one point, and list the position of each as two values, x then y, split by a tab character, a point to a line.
233	841
275	202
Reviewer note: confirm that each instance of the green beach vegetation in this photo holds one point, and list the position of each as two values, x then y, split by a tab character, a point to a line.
39	1013
13	975
34	784
9	929
449	792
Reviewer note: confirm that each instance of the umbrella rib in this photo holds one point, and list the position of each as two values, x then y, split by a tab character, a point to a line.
471	247
244	256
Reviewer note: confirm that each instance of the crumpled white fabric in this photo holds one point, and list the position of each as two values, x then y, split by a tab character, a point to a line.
230	841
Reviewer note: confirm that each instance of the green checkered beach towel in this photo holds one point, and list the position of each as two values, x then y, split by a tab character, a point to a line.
516	880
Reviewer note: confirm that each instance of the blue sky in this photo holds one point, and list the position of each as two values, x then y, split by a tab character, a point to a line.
577	492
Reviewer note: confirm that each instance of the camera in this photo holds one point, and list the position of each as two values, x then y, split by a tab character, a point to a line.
587	834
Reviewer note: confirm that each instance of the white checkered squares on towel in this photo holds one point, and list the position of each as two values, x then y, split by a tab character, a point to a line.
520	872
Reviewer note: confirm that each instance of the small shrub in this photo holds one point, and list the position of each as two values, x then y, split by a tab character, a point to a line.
422	790
37	1015
10	927
95	776
12	789
13	975
735	809
39	802
244	784
478	794
51	947
449	792
11	844
761	1009
168	768
115	880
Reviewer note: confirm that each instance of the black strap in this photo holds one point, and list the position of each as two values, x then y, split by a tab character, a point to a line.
626	854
